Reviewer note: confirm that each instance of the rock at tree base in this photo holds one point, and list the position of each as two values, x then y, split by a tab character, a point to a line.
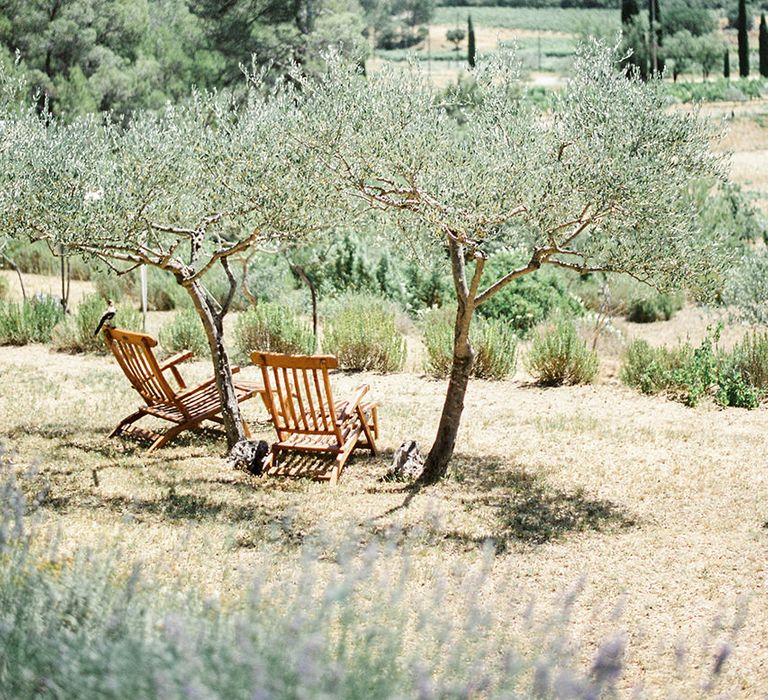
249	455
407	464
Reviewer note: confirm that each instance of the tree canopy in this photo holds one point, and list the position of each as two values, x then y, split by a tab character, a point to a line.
601	183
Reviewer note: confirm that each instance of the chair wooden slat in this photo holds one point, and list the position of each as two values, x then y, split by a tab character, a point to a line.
320	405
313	415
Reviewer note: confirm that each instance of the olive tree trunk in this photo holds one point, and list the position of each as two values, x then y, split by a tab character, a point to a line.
436	464
212	321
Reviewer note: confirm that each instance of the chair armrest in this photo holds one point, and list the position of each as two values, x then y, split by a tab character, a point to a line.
175	359
170	364
351	404
211	380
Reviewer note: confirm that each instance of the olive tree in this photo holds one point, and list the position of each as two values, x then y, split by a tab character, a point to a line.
599	184
184	190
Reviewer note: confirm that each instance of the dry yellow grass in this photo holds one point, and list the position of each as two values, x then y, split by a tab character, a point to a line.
678	497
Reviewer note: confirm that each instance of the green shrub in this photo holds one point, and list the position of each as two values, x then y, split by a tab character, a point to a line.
184	332
687	374
751	359
650	369
654	307
494	343
438	341
733	388
559	356
32	321
271	327
716	90
77	334
526	301
4	287
37	258
361	331
110	286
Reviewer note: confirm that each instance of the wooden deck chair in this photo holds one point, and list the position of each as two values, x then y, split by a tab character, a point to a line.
185	407
298	396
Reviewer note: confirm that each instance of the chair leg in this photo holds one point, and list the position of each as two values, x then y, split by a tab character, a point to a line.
171	433
375	420
369	433
125	422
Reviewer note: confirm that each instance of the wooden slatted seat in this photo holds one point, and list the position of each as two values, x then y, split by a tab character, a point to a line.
185	407
297	392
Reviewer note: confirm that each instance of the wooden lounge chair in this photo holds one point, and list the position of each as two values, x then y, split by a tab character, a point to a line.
298	396
185	407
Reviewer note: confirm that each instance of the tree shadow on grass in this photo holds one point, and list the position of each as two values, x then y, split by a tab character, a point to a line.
524	508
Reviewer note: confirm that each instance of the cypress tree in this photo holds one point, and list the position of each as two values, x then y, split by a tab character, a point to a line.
654	22
763	46
726	64
471	47
629	10
741	26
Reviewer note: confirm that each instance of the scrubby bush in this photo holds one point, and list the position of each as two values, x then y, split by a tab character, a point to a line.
37	258
271	327
654	307
751	358
716	90
184	332
738	378
559	356
362	332
77	334
527	300
31	321
494	343
649	369
733	388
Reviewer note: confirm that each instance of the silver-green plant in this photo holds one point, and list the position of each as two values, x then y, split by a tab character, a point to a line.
598	184
271	327
361	330
184	332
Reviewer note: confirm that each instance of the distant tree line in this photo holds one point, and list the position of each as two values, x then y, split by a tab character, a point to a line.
678	34
81	56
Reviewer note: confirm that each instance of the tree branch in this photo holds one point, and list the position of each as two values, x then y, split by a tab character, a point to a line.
477	275
232	288
534	264
458	268
226	252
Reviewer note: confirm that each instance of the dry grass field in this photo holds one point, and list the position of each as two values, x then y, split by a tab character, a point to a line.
655	514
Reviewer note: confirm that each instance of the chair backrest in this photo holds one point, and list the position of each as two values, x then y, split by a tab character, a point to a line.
298	392
133	352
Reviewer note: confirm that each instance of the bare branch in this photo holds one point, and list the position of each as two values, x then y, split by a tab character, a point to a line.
480	259
232	288
534	264
459	271
238	247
